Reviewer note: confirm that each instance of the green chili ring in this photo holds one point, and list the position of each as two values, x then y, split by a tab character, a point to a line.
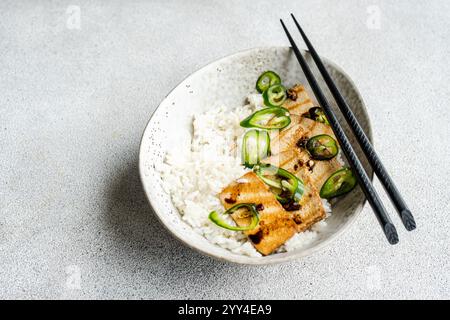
263	145
322	147
317	114
275	95
268	118
216	219
255	147
339	183
266	80
287	183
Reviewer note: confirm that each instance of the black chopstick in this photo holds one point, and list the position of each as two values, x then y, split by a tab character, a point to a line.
361	175
366	146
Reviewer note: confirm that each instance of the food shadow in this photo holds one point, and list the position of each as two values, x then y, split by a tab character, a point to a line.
140	235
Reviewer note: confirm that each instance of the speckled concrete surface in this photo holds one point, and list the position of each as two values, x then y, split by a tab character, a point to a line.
75	98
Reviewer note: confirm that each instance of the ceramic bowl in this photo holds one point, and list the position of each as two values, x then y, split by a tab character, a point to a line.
229	80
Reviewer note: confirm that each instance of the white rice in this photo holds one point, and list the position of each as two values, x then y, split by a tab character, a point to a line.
193	180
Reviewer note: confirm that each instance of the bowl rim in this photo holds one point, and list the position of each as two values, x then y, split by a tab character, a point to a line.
240	259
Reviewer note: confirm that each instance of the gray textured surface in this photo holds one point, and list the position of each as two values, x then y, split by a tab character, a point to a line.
74	103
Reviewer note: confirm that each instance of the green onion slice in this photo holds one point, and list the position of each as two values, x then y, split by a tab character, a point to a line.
268	118
255	147
275	95
322	147
339	183
267	79
285	185
217	219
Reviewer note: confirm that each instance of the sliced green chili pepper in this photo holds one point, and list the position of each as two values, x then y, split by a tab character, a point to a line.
263	145
339	183
250	148
317	114
216	218
275	95
255	147
286	186
267	79
322	147
268	118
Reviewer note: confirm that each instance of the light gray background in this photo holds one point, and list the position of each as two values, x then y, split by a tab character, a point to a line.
74	222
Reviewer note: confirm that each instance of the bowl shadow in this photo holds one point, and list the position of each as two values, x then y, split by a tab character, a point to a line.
132	218
143	243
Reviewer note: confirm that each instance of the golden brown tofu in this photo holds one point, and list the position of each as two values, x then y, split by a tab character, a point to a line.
295	137
286	139
300	128
319	170
302	102
311	207
276	225
296	158
314	128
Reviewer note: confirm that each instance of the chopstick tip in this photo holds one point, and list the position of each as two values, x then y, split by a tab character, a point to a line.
408	220
391	233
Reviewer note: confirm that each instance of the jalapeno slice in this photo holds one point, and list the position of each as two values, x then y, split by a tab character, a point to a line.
286	186
317	114
263	145
275	95
322	147
339	183
255	147
266	80
268	118
215	217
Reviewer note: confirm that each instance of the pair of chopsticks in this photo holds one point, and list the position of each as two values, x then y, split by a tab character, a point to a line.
361	175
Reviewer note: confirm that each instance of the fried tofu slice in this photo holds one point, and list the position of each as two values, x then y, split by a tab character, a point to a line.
276	225
301	128
311	207
286	139
301	104
297	134
298	158
313	128
319	170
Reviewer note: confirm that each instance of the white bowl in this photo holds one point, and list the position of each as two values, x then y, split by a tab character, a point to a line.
230	80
